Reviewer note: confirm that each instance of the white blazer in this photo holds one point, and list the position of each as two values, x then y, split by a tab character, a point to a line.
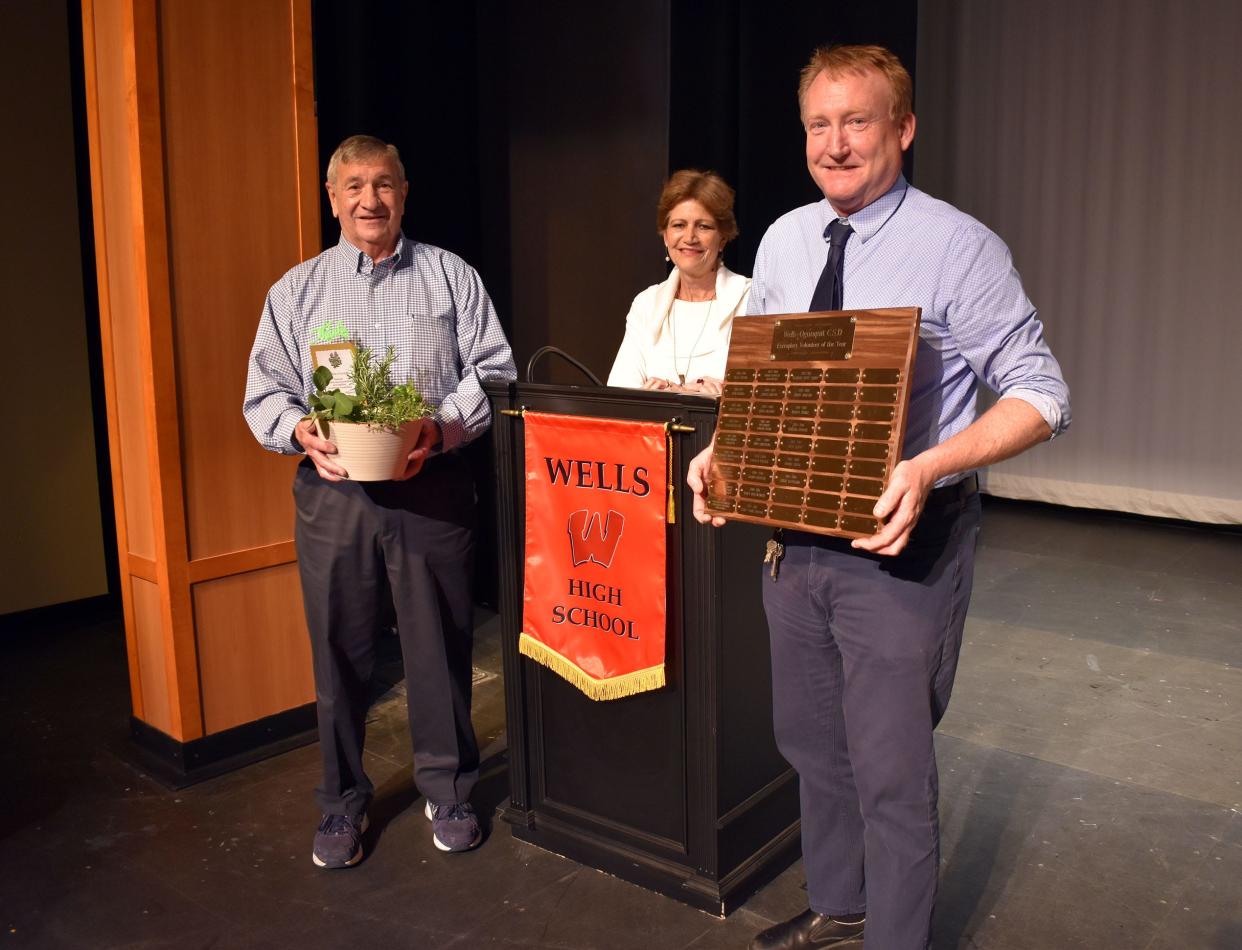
647	348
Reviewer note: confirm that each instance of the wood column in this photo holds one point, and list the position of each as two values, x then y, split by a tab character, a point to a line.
205	183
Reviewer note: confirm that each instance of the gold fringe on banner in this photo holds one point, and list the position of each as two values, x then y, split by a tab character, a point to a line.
617	687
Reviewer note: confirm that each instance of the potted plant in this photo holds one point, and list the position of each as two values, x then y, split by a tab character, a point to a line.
374	428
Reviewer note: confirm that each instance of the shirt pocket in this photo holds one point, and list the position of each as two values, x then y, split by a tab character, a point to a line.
435	334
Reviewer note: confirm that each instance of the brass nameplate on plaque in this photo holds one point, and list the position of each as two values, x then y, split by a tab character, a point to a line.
815	338
812	418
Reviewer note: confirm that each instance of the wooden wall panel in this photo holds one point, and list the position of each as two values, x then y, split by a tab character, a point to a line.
152	657
234	216
160	397
114	199
258	667
203	154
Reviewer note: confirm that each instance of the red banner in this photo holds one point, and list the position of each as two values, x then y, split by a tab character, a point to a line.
595	531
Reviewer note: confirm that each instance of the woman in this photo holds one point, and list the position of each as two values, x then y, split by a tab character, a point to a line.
677	332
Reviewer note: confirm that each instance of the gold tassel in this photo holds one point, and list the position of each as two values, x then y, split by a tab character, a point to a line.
616	687
670	469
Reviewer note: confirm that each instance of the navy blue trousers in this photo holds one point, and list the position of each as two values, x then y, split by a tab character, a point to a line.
359	543
864	651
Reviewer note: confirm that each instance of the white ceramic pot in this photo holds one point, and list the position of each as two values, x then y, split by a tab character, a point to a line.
370	453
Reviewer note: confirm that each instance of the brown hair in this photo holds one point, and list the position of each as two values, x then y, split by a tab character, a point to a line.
708	189
835	60
359	148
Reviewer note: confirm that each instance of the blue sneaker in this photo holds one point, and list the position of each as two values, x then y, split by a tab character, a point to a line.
338	842
454	827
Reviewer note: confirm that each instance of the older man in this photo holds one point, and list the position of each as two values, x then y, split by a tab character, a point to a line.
865	635
356	541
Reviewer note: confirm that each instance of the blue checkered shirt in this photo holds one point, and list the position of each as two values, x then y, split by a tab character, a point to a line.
426	302
909	249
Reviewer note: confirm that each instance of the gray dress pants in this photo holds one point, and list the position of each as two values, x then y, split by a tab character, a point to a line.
864	651
356	541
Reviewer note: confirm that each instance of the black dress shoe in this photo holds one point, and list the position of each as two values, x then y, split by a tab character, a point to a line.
809	930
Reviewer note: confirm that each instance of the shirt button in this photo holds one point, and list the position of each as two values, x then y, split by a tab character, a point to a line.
377	326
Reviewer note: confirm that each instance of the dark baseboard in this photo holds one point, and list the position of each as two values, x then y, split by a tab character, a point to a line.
179	764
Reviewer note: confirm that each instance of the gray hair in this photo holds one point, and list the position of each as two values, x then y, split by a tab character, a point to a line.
359	148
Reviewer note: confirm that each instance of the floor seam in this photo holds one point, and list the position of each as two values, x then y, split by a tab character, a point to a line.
1096	775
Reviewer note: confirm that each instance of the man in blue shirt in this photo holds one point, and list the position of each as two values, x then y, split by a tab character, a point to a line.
865	634
414	536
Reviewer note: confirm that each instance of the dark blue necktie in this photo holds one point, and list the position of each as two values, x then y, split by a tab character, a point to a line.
828	294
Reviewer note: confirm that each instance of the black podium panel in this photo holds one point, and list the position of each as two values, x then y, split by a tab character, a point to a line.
645	789
680	789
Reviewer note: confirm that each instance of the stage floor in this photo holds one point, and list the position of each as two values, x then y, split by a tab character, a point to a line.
1090	774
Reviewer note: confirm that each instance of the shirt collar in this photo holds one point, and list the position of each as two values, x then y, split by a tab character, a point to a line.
359	262
867	221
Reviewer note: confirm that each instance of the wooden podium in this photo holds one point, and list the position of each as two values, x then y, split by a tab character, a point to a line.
680	790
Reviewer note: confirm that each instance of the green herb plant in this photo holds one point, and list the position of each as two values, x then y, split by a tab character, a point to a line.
376	401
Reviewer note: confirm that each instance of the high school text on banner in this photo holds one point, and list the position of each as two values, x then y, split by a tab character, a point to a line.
594	597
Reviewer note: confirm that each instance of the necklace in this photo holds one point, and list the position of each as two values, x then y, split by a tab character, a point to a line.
681	376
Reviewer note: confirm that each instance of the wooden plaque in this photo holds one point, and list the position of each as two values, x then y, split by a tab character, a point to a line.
812	418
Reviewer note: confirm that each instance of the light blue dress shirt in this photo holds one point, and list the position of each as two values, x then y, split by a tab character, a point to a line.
911	250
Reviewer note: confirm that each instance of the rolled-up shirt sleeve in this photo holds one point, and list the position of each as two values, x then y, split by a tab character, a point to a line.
997	328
